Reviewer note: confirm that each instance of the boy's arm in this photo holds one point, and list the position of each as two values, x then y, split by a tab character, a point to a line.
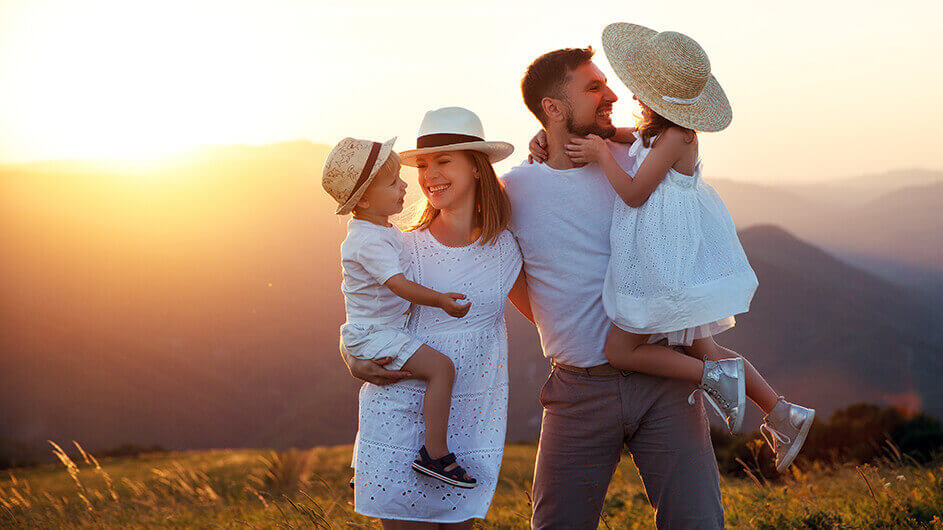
422	295
518	296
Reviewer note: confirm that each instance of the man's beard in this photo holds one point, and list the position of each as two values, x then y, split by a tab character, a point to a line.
594	128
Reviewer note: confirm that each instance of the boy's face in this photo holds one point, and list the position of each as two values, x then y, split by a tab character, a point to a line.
384	196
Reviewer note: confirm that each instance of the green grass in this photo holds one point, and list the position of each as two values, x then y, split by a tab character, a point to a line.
308	489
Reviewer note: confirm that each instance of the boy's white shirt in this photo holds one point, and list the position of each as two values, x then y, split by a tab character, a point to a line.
370	255
561	220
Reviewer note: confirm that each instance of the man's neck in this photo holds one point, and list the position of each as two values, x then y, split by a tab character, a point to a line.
556	149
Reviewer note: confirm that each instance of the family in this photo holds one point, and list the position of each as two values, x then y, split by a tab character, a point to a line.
609	241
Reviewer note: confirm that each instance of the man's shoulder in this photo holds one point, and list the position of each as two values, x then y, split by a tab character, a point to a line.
521	171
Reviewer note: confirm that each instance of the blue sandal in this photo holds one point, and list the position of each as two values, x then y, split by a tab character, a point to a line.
435	468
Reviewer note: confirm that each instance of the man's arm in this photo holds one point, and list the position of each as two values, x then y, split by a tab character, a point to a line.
518	296
372	371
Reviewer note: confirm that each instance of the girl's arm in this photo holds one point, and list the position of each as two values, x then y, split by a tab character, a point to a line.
624	135
634	191
518	296
538	144
422	295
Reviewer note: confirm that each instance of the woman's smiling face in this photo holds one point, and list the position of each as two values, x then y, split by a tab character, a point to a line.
447	179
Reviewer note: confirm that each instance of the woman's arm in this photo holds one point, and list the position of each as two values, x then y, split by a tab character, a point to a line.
422	295
519	297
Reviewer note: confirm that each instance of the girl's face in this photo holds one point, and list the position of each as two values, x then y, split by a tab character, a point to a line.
447	179
385	195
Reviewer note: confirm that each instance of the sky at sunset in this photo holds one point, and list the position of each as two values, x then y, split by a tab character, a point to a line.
819	89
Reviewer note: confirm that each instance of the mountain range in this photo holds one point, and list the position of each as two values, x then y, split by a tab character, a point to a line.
196	303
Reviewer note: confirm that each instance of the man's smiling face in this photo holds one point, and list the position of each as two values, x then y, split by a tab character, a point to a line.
588	102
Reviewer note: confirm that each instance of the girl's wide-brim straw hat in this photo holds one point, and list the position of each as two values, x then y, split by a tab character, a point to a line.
454	129
669	72
350	168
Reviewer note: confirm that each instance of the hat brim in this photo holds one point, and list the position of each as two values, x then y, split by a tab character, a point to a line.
385	149
496	151
624	43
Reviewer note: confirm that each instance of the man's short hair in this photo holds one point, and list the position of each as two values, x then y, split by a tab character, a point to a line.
547	75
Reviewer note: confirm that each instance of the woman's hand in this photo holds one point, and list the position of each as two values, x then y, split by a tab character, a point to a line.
450	305
538	148
592	148
372	371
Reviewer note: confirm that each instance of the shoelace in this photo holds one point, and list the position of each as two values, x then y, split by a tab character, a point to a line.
710	400
778	436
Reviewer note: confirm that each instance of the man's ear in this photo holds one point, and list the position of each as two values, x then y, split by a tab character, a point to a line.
553	108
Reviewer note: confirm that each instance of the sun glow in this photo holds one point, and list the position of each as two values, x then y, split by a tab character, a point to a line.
132	80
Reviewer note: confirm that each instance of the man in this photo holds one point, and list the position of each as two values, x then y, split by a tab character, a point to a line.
561	215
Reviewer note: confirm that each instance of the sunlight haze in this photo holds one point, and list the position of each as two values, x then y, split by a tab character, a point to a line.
819	90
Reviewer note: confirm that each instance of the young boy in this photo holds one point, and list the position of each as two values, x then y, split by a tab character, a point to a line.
363	177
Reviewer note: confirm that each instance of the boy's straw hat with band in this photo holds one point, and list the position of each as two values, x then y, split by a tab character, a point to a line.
350	168
454	129
669	72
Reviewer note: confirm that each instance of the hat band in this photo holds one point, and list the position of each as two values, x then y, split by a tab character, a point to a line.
367	167
440	139
682	101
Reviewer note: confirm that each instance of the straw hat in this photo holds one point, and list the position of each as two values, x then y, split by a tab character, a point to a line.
669	72
454	129
350	168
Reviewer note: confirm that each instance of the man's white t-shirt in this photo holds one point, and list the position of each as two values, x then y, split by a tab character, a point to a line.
561	219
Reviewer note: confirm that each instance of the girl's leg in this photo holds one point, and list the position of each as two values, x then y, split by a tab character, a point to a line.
628	351
439	373
758	390
396	524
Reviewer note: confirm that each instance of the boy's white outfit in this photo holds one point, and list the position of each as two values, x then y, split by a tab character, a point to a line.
376	317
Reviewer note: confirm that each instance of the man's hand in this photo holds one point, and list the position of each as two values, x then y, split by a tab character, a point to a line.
592	148
372	371
450	305
538	148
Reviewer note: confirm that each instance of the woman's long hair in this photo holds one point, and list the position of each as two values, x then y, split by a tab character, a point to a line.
657	124
492	206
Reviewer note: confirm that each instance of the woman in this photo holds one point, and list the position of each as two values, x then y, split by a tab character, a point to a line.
459	243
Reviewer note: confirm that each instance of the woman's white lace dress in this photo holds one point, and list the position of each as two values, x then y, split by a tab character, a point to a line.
391	426
677	269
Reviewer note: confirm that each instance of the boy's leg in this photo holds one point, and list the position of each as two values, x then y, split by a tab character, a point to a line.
437	370
758	390
629	351
580	444
672	450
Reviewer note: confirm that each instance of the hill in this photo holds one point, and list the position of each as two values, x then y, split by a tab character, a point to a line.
195	304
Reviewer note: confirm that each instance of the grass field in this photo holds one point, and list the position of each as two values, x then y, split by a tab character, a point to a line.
308	489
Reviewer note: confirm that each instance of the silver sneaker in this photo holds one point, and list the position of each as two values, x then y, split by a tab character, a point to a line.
723	387
785	429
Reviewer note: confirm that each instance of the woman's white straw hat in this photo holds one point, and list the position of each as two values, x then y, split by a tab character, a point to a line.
350	168
454	129
669	72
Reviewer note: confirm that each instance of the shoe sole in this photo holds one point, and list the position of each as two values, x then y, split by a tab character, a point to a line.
741	397
443	478
797	445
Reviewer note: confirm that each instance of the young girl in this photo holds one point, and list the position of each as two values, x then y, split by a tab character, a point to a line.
678	273
363	177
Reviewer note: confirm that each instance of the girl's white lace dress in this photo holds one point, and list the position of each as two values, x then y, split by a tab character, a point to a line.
391	426
677	269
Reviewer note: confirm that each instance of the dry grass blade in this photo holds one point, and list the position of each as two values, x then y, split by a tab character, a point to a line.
868	482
